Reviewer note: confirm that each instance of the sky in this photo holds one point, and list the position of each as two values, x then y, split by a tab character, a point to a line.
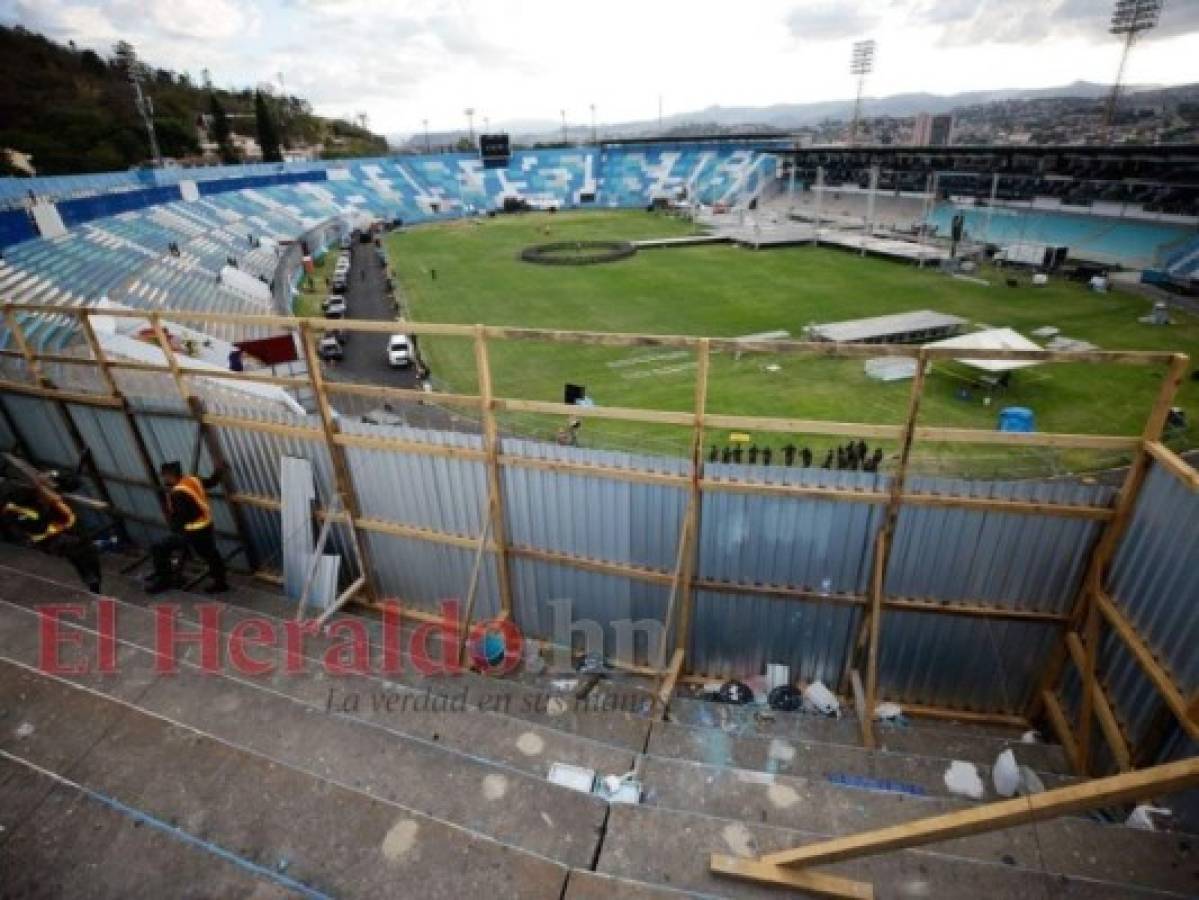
404	61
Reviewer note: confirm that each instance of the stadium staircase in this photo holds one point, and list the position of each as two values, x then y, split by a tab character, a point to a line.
228	785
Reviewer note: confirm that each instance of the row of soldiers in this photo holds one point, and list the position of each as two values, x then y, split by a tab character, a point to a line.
855	455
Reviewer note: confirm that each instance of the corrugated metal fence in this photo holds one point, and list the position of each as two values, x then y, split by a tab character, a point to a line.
747	541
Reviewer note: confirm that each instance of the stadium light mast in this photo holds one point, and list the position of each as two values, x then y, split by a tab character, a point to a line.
861	64
425	122
128	61
594	132
1129	18
565	140
470	122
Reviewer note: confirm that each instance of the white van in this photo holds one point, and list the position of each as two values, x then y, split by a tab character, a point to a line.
399	351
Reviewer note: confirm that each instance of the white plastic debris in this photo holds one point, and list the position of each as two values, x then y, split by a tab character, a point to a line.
962	778
885	712
620	788
577	778
564	684
1141	818
1005	774
1030	737
24	730
821	699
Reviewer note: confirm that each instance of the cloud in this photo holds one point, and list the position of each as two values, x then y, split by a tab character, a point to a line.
972	22
824	21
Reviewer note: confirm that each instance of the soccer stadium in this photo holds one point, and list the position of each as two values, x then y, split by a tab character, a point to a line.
708	515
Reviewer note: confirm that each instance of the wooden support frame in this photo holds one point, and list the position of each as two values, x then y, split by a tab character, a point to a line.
341	467
694	512
495	487
1112	733
1113	531
1147	447
1174	464
1126	787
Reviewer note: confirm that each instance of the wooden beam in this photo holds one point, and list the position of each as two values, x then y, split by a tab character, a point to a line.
299	432
495	487
168	353
817	883
695	502
604	339
1112	732
32	367
1027	439
1174	464
1090	686
1061	727
1123	788
341	468
862	707
1113	531
472	588
1156	673
675	587
669	679
93	343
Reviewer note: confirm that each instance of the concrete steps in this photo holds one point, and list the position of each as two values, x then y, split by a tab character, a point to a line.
679	859
333	839
279	792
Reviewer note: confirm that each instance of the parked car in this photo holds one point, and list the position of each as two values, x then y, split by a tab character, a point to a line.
399	351
345	242
330	348
340	282
334	303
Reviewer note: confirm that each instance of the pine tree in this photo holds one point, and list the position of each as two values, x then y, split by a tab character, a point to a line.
268	136
221	131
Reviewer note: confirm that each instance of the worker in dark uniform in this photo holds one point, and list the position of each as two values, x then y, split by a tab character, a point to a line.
190	518
44	519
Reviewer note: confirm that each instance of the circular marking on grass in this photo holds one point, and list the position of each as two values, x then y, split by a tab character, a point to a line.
578	253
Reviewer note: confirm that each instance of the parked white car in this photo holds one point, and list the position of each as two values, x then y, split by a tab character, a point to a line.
399	351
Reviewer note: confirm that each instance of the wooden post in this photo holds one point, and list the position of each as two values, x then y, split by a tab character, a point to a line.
216	453
1109	539
472	590
1089	681
871	623
168	351
495	493
1103	711
341	468
694	514
86	459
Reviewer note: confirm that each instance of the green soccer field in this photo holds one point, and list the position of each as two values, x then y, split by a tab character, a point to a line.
723	290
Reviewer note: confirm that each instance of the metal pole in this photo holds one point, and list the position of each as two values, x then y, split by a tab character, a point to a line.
869	224
819	203
991	205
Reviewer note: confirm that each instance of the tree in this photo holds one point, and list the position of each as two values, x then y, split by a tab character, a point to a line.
268	135
220	131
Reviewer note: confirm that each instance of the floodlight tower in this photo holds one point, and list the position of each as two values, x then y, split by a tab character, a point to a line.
428	149
133	69
470	122
1129	18
861	64
565	140
594	133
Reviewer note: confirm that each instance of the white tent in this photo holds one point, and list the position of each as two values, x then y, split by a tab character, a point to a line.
991	339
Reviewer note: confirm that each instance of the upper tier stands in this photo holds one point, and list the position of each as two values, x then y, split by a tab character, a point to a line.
159	239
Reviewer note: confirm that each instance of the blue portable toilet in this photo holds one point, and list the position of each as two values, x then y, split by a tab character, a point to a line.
1016	418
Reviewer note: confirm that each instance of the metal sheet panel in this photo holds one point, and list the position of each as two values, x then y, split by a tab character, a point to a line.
1154	577
584	515
42	429
1015	561
437	492
819	544
296	516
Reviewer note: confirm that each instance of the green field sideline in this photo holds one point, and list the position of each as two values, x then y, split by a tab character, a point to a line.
724	290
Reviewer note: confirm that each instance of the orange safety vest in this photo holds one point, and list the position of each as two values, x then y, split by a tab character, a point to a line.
64	522
194	488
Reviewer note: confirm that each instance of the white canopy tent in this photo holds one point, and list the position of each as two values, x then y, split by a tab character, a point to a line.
991	339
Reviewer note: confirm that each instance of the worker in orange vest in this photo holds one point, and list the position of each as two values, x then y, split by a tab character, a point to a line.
43	518
190	518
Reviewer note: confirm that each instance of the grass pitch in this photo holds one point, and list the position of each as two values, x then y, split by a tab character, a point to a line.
723	290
